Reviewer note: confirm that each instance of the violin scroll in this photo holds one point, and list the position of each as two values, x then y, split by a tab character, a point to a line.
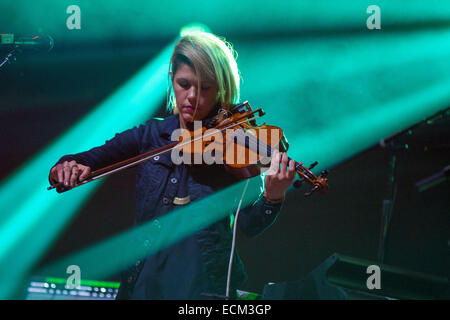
319	183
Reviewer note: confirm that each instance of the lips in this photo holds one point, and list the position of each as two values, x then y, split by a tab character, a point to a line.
188	109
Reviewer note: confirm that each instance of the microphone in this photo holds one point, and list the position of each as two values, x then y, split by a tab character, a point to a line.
34	43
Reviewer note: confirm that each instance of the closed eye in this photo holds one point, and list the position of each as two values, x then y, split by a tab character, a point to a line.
183	84
186	84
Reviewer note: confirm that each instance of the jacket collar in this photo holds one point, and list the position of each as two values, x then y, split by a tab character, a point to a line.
168	125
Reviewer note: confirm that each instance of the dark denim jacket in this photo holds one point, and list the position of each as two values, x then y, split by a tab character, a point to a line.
196	265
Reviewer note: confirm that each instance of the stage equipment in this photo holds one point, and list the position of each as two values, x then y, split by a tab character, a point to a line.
56	289
346	278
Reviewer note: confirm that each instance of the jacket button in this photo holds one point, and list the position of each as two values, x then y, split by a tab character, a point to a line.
156	158
174	180
166	200
268	212
156	224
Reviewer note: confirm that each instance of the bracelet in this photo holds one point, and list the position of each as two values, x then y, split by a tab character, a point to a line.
276	201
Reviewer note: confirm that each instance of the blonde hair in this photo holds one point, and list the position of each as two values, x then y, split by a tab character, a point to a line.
213	60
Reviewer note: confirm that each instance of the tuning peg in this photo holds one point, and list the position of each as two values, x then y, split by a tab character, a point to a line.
307	194
313	165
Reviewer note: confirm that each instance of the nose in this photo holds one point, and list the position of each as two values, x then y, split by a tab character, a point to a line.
192	94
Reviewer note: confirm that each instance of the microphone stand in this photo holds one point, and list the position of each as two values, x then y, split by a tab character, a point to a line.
394	146
388	202
8	56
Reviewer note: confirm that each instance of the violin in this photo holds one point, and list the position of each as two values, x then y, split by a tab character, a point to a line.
232	138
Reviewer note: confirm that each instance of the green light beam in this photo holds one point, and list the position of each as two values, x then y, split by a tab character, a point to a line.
345	137
159	19
113	255
360	89
355	133
39	209
378	94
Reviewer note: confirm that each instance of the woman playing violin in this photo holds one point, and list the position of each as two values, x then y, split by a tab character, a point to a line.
204	78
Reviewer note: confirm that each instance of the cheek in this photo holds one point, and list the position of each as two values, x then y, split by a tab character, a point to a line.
210	97
208	100
178	94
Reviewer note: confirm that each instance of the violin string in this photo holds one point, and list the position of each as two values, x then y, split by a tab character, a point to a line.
260	145
165	151
201	137
268	150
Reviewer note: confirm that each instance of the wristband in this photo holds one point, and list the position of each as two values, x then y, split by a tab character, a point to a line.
273	201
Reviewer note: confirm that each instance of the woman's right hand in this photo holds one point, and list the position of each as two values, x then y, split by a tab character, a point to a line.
65	175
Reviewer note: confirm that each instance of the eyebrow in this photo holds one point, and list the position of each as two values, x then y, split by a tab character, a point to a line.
187	80
184	79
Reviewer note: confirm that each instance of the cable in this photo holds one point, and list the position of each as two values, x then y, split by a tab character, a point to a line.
233	242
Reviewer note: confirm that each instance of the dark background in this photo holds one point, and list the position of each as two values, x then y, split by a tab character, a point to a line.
346	220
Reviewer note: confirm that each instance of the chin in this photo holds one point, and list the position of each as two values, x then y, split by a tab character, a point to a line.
188	118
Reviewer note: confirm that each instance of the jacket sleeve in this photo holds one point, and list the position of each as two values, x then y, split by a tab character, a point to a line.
122	146
259	215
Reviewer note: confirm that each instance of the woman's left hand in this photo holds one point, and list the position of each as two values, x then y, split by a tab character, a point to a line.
278	180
